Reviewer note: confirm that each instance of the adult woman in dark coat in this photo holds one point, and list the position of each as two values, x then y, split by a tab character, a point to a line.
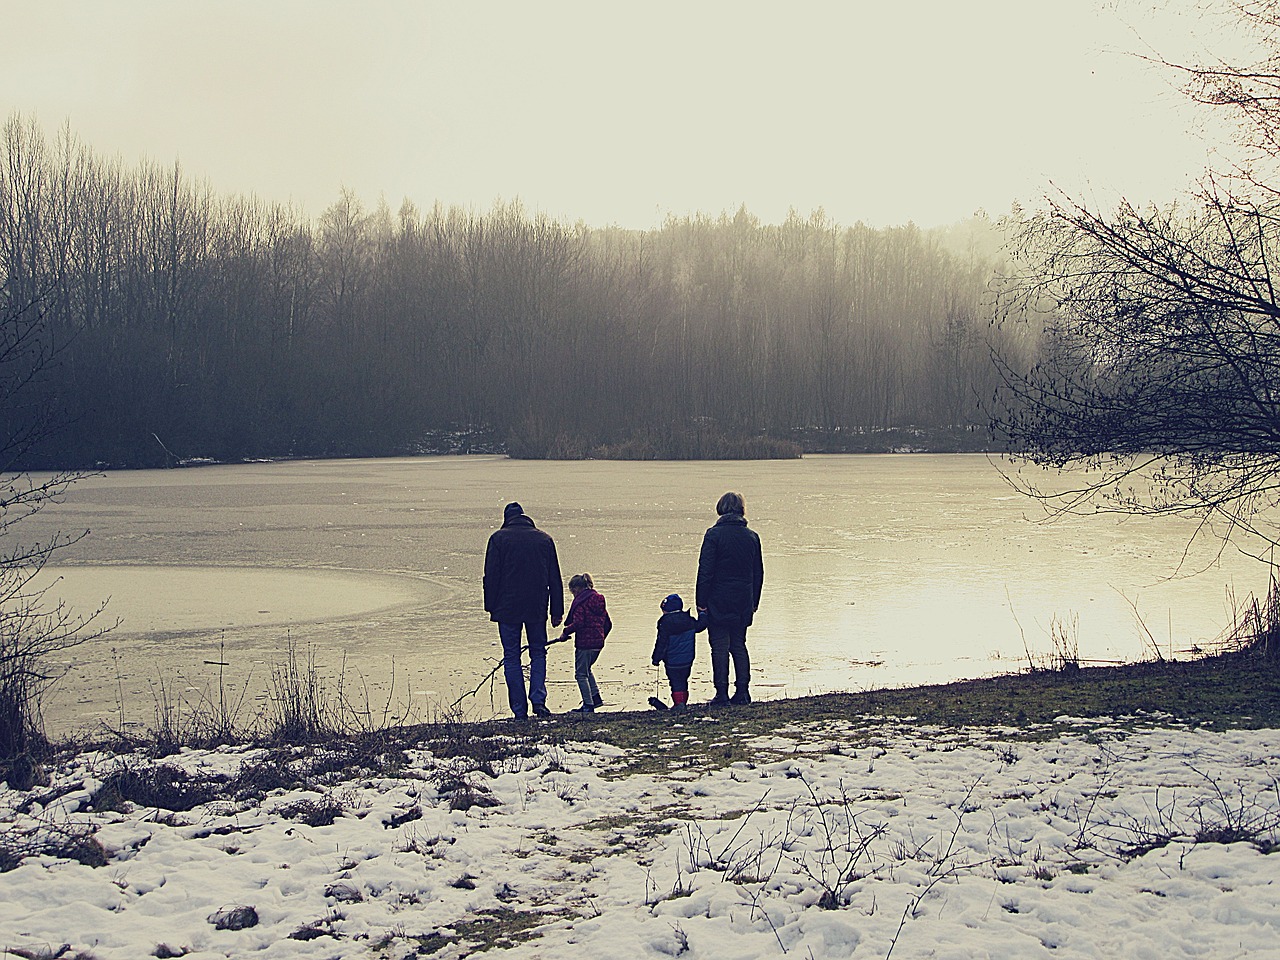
730	575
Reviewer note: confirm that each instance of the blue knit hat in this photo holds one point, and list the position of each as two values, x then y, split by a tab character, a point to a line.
512	509
672	602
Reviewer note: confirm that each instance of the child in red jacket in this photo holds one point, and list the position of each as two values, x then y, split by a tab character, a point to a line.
589	622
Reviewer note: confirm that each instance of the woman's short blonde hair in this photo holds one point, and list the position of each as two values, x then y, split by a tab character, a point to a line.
731	503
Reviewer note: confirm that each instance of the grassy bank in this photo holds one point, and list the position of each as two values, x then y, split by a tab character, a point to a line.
1229	691
1240	690
1233	690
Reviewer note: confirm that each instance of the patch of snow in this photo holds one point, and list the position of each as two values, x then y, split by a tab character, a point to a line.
908	843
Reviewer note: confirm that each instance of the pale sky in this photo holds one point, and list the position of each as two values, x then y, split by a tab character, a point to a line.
609	112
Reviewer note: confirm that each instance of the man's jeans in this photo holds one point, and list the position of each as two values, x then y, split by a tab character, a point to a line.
511	669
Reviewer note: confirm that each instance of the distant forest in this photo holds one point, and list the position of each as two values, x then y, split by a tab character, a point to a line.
192	324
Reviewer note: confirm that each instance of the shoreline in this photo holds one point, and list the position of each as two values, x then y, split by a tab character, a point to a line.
892	441
1239	689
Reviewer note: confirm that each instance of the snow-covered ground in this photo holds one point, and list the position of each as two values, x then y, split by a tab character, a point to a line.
868	839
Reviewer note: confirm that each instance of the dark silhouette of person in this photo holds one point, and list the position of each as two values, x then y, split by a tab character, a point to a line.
730	576
521	585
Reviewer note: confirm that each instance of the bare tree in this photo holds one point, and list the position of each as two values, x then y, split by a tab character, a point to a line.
34	633
1160	354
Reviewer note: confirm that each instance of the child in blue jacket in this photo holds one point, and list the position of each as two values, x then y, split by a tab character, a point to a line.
675	645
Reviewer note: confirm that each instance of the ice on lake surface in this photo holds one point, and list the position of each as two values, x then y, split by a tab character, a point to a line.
152	601
880	570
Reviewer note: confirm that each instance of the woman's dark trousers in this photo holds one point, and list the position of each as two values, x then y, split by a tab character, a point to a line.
727	643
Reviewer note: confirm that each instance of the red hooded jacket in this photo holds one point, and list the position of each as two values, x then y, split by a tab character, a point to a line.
588	620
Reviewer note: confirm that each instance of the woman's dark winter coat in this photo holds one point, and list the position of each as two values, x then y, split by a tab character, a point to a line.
730	572
676	634
522	574
588	620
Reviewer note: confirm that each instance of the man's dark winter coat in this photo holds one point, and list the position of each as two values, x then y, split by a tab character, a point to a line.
677	631
522	574
730	572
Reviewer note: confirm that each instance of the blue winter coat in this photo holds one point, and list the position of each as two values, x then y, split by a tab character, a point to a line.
676	632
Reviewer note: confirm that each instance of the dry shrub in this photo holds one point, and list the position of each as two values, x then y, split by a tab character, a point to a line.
321	812
159	785
1256	624
64	841
300	699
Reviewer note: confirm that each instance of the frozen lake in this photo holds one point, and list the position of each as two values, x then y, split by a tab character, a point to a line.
879	571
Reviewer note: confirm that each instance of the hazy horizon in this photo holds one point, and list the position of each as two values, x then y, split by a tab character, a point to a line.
611	117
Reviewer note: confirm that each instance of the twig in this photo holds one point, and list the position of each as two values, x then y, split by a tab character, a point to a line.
492	673
915	901
169	452
1150	637
745	820
755	907
1031	664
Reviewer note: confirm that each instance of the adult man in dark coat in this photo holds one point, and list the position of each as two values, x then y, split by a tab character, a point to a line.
730	576
521	584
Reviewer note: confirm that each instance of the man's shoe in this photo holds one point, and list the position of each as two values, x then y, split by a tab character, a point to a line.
585	708
740	698
540	709
719	700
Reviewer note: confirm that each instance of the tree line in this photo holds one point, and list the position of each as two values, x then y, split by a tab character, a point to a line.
187	323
